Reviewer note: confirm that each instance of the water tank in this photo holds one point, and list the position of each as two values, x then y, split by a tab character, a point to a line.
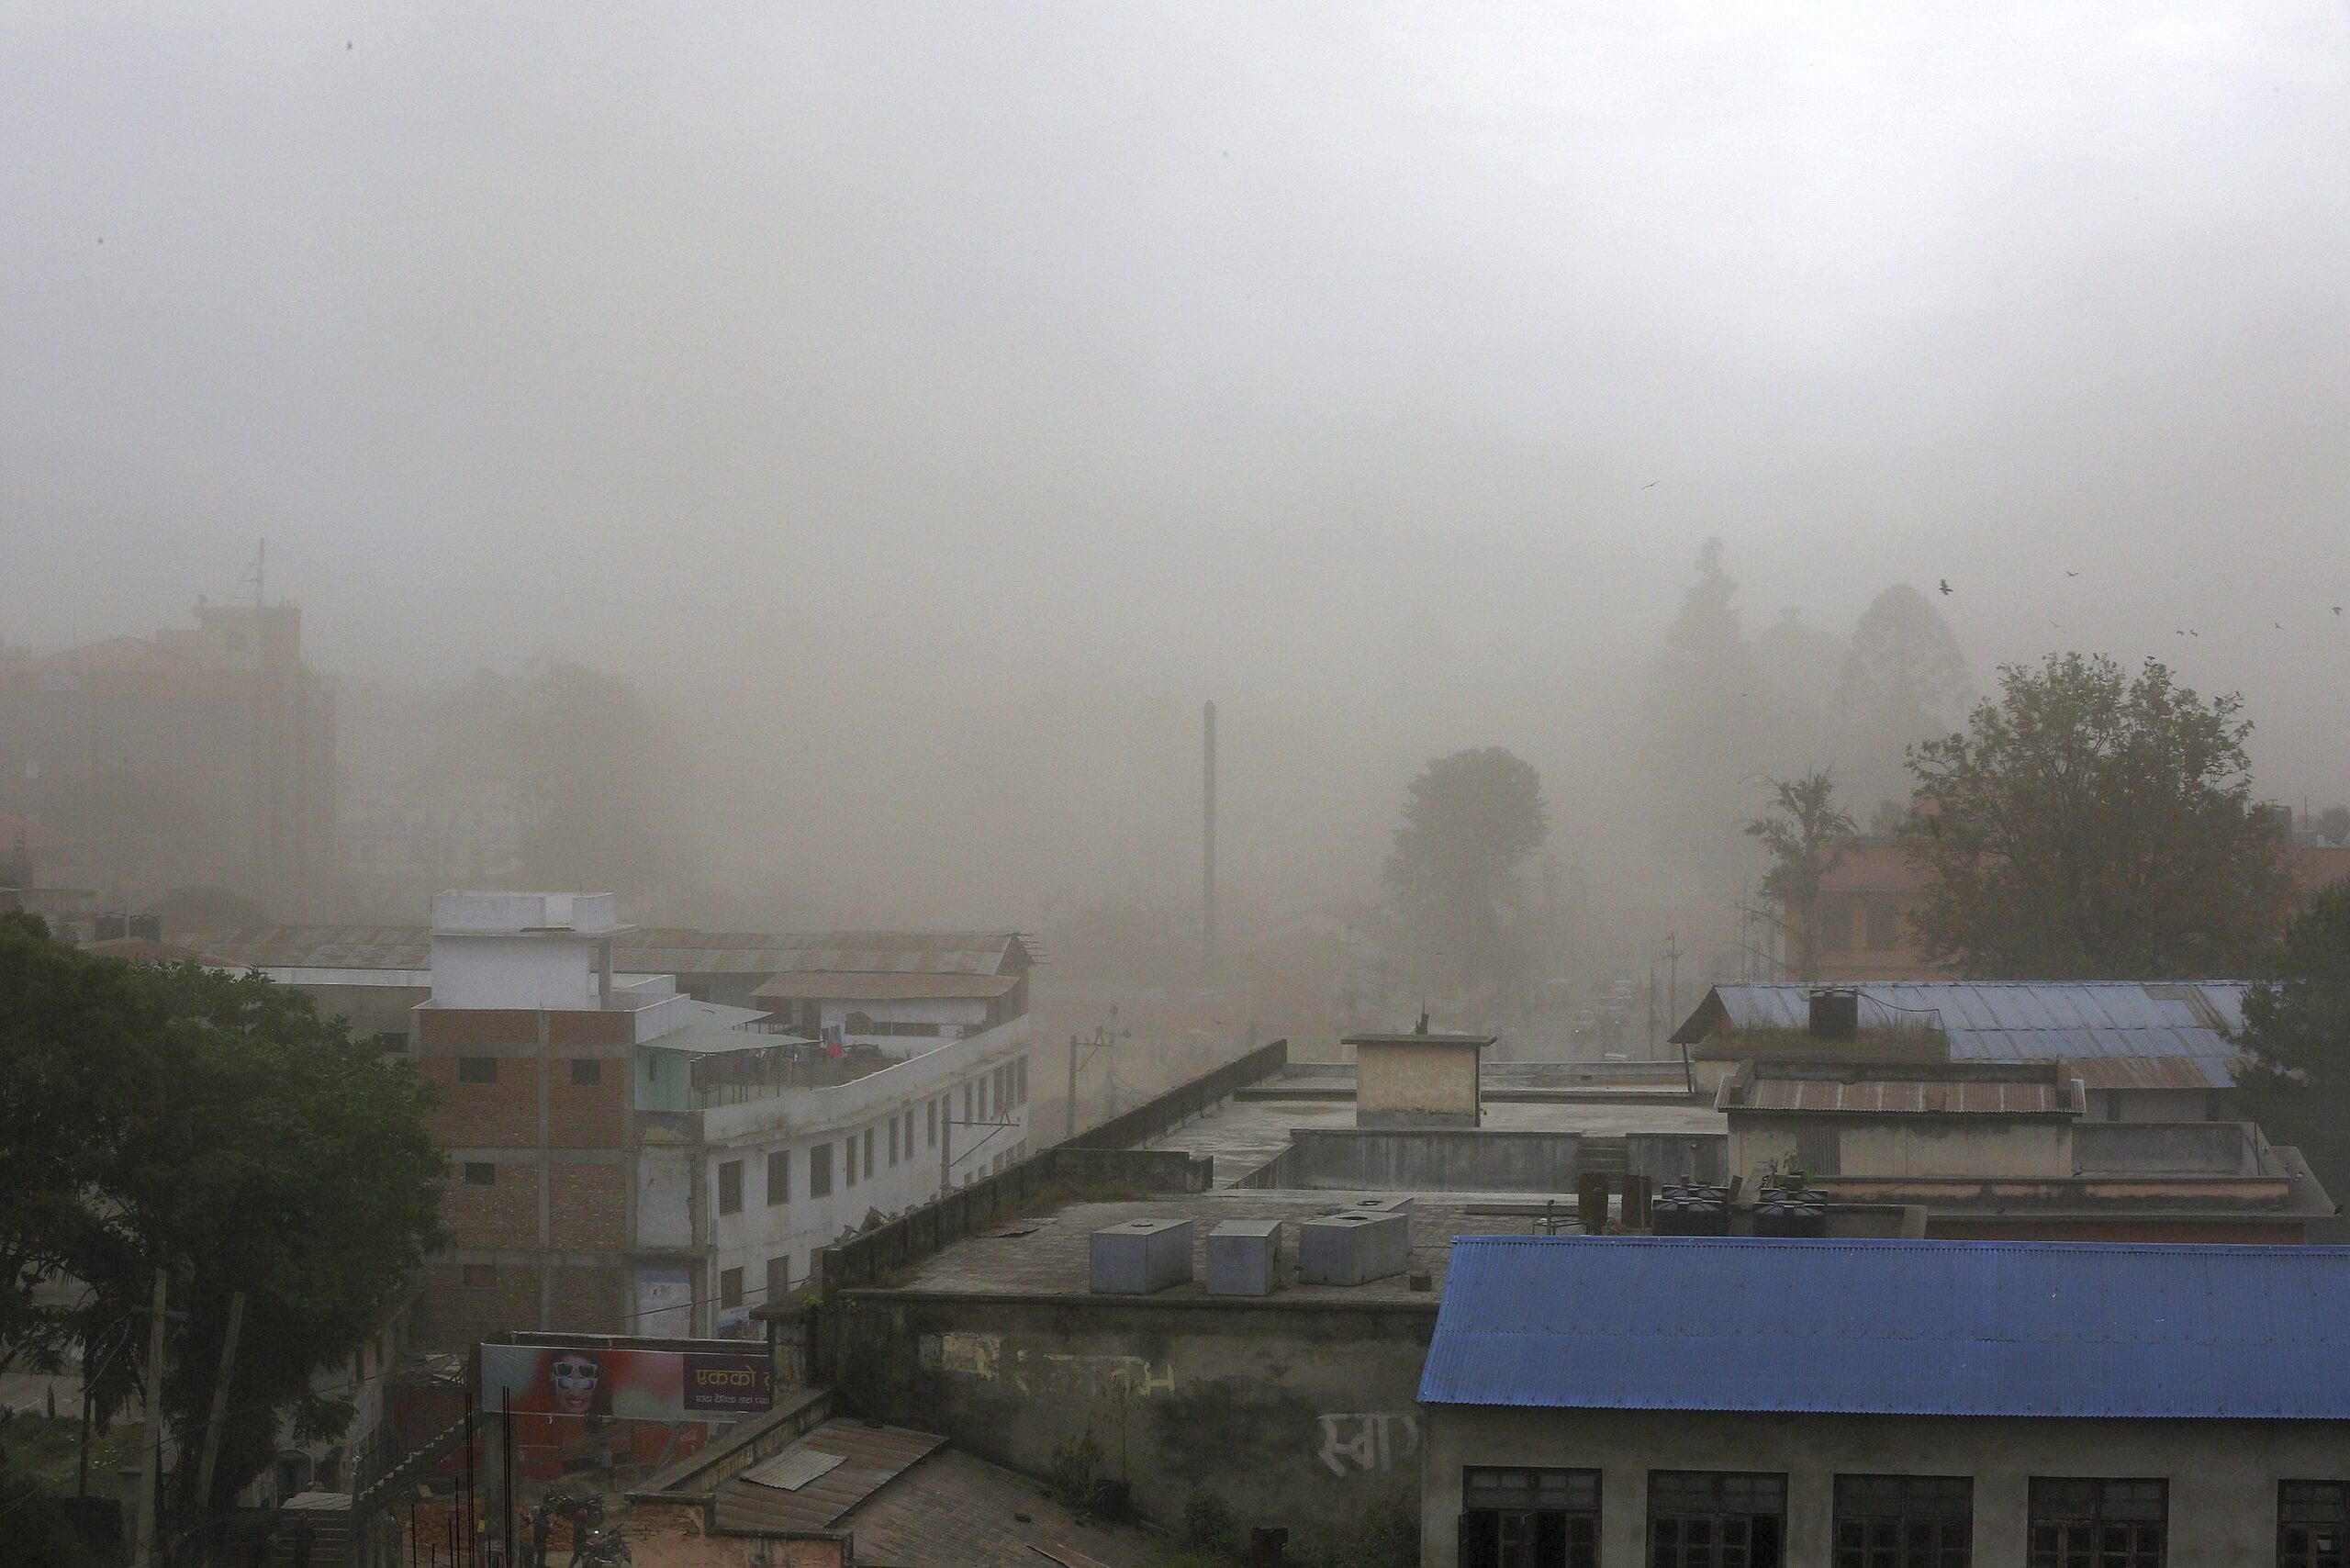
1244	1256
1140	1256
1353	1248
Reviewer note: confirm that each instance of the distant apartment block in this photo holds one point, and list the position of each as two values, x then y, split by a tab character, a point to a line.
196	758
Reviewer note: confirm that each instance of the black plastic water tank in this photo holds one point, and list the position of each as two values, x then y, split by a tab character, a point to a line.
1835	1013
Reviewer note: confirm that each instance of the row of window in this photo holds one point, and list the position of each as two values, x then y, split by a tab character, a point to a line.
999	1091
1550	1518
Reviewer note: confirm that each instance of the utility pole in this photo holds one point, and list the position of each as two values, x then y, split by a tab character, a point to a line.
1072	1090
219	1404
1673	978
1207	842
144	1557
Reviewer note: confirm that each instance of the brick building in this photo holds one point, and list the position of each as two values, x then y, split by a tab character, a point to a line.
627	1158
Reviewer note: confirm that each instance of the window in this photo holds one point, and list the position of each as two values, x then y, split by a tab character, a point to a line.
1020	1081
894	1142
930	1124
1530	1518
779	1279
1835	925
478	1276
779	1177
869	1154
586	1072
909	1132
730	1187
392	1040
1904	1521
480	1174
848	1160
1703	1518
729	1288
2098	1524
1882	918
820	1171
2312	1520
966	1101
477	1070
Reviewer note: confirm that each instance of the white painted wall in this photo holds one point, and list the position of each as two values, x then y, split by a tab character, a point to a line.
500	971
797	1228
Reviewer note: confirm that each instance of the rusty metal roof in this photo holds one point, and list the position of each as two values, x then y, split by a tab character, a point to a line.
651	950
2079	1021
861	986
871	1455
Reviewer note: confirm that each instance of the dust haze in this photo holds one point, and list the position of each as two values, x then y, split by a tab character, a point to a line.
919	410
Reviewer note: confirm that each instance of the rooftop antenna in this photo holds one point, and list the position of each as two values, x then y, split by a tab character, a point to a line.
251	582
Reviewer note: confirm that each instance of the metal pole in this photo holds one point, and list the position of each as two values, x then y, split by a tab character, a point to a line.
145	1554
1072	1088
1207	841
219	1403
467	1489
506	1471
947	1147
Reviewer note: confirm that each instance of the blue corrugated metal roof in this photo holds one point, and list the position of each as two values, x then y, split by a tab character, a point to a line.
2016	1020
1894	1327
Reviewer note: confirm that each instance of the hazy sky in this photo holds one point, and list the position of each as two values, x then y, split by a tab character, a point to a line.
832	349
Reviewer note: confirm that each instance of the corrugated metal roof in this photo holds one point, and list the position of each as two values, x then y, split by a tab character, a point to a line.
870	1455
1895	1327
860	986
1900	1097
2071	1020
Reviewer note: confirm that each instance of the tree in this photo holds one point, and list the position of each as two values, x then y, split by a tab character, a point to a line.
1469	819
1904	680
1800	829
2093	825
1709	730
2295	1036
213	1127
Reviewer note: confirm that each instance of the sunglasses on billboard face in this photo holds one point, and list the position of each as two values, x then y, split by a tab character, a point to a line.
577	1371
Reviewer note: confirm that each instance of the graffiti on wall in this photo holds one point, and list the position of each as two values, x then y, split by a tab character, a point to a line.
1370	1440
1044	1372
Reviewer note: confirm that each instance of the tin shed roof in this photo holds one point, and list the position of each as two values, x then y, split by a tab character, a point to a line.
1895	1327
2187	1021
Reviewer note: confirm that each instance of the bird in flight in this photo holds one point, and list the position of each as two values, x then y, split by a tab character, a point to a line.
2337	610
1945	586
1652	485
2072	574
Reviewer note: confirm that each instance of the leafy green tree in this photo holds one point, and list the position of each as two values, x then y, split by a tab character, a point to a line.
2296	1073
1469	819
213	1127
2090	825
1800	829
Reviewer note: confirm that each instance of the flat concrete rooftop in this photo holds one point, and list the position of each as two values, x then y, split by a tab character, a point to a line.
1241	1135
1049	1255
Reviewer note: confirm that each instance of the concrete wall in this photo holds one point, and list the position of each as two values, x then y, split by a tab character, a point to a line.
1300	1415
2222	1474
1432	1160
1909	1146
2216	1148
1677	1156
1397	1083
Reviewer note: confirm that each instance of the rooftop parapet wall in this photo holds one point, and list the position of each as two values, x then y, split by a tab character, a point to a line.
1424	1160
